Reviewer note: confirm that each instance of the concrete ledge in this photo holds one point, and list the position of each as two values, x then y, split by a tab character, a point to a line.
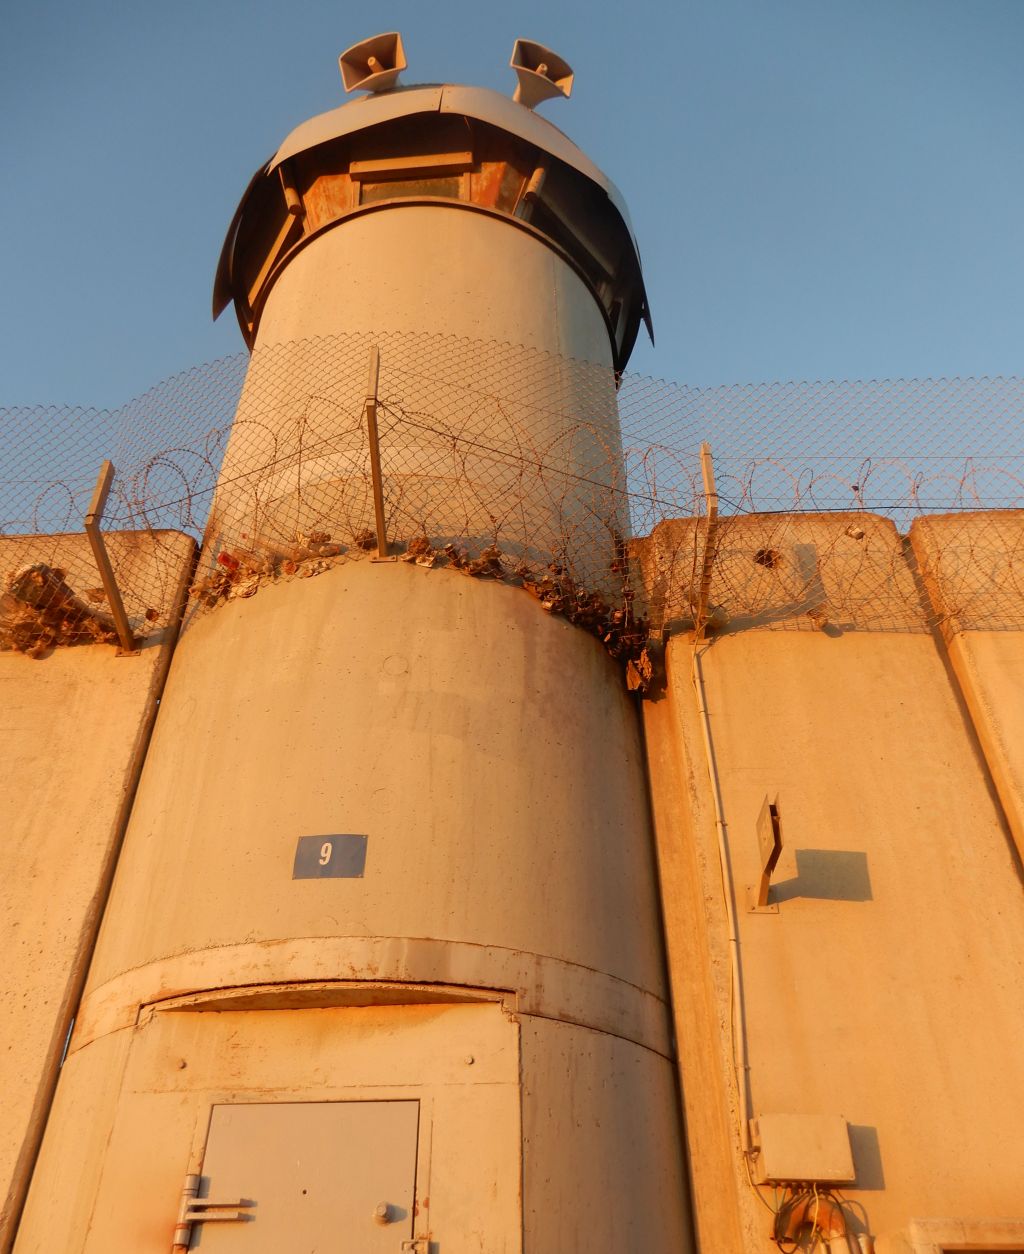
544	986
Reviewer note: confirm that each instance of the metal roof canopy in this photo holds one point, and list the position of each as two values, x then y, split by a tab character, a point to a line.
471	102
479	103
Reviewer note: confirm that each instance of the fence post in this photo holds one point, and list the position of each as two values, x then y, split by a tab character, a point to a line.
707	471
93	518
371	431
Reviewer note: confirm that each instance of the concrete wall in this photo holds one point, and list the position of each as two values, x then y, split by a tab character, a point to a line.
454	271
453	725
888	986
509	910
492	758
139	1135
973	566
73	732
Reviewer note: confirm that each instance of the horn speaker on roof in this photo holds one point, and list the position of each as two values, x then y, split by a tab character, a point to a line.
541	73
374	64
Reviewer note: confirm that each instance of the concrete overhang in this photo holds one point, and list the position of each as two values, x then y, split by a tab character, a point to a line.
474	103
469	102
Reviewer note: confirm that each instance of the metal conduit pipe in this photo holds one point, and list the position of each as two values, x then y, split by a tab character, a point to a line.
738	1018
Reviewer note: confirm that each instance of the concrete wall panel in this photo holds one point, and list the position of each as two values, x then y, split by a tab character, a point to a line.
699	976
797	572
602	1164
461	1063
889	986
70	1167
973	567
73	730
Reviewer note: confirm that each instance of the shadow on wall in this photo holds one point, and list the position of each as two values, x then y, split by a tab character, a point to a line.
867	1156
826	875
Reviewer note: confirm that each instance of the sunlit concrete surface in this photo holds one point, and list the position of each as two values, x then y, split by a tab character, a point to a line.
73	731
974	571
492	757
887	985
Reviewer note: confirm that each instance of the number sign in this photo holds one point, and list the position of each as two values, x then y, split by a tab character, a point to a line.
330	857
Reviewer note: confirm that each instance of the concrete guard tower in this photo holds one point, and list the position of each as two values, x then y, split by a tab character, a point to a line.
382	967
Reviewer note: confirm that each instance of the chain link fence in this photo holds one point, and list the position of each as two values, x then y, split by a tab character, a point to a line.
509	463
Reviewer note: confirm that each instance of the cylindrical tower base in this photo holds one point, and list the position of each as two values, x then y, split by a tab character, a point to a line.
391	846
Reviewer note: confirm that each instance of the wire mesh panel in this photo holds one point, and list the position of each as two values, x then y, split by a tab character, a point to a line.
505	462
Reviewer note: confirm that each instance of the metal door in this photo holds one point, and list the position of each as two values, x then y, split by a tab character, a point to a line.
313	1177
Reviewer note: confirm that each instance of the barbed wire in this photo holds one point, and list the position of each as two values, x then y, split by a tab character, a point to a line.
506	462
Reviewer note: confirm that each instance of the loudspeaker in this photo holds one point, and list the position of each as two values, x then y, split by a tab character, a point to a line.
374	64
541	73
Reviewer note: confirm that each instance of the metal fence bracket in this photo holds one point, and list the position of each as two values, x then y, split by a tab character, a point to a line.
371	431
707	471
93	519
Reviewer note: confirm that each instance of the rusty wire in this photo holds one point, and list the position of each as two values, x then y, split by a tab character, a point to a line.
507	462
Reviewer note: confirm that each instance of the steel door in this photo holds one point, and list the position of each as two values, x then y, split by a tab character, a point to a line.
314	1177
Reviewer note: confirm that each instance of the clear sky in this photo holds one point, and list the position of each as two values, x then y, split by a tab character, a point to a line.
820	188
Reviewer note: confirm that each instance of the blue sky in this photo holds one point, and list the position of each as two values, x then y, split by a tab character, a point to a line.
820	189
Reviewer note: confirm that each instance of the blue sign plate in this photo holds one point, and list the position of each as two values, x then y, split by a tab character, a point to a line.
330	858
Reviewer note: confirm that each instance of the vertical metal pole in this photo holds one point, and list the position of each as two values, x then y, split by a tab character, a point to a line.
707	471
371	430
93	518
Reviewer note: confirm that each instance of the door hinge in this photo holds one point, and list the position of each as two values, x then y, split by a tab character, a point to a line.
204	1210
418	1245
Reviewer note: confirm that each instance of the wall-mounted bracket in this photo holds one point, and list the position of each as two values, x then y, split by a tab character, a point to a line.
769	841
93	519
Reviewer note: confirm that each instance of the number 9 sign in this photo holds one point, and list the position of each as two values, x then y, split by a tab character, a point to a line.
331	857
